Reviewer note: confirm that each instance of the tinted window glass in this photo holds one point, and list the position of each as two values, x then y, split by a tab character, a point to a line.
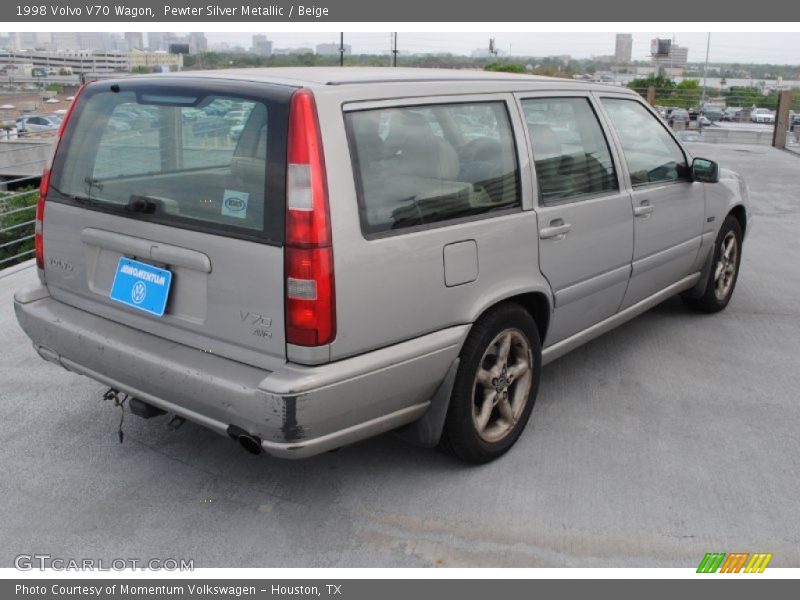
569	149
426	164
167	157
650	152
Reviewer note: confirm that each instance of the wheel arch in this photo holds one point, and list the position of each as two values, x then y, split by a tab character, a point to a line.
537	303
740	214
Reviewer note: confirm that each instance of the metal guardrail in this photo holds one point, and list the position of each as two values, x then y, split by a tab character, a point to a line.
18	194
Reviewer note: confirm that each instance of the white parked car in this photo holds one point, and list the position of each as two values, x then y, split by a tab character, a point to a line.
762	115
38	123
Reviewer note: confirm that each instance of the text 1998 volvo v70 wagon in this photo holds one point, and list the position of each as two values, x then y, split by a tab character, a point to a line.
303	258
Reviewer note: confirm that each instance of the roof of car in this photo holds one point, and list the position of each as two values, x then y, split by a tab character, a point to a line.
343	76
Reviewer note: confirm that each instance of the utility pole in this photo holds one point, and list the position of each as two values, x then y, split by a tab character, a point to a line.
341	49
394	49
492	47
705	67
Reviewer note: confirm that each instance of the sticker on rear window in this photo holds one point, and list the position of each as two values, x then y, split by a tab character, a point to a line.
234	204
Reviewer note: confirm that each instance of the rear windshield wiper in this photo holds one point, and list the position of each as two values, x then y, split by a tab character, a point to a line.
79	199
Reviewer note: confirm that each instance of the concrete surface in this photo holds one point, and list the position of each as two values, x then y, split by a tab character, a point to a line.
25	157
670	437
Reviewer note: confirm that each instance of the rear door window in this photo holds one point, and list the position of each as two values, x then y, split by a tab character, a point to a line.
198	159
570	152
422	165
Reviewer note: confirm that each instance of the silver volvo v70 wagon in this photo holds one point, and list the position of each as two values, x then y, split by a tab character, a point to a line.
303	258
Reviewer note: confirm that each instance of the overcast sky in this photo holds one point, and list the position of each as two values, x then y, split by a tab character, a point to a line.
783	48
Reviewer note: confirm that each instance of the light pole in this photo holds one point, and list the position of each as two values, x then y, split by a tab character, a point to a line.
705	68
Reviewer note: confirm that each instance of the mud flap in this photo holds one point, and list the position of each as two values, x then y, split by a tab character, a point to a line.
699	288
427	431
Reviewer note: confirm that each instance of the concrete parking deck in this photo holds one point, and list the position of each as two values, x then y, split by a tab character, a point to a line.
673	436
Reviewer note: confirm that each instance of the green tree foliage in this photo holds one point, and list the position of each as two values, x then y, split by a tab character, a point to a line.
505	67
17	211
686	94
657	81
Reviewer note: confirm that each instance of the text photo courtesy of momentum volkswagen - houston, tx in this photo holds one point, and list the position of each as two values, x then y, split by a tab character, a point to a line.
356	299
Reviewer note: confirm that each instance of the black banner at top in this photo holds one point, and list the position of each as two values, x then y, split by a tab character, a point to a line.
469	11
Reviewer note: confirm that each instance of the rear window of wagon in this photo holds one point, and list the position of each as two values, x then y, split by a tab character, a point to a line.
208	156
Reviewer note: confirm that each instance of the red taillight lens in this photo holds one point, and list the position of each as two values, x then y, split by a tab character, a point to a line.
44	186
310	294
38	239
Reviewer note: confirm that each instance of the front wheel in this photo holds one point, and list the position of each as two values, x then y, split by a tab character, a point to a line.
495	385
724	270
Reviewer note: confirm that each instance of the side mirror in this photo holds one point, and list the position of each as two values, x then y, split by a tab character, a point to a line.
705	170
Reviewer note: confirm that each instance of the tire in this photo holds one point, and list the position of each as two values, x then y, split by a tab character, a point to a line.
724	271
493	397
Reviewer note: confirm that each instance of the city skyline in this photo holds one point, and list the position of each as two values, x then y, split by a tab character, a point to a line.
777	48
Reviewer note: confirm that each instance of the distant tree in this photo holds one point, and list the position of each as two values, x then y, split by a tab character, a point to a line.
686	94
505	67
745	96
657	81
551	71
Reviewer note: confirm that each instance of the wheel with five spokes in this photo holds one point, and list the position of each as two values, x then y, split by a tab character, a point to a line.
495	386
724	269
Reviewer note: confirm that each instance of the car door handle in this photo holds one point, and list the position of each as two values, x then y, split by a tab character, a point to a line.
644	209
557	230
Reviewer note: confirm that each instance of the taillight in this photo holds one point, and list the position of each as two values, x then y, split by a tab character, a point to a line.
44	186
310	294
38	239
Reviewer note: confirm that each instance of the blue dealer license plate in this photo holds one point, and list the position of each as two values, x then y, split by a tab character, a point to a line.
141	286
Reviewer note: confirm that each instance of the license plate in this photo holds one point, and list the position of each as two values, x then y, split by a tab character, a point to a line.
141	286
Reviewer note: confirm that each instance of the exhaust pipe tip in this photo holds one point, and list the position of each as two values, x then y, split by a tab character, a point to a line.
250	443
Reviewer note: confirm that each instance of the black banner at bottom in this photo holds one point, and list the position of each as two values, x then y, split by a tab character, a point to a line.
732	586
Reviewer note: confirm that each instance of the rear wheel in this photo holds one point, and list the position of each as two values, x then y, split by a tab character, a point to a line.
724	270
495	385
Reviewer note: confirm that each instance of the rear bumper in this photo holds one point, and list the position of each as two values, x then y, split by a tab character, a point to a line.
296	411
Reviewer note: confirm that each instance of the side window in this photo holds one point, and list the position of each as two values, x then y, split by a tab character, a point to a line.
570	152
427	164
651	153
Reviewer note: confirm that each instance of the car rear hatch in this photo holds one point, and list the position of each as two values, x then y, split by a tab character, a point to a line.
175	189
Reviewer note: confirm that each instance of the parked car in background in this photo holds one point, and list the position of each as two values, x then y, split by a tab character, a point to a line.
679	115
316	280
762	115
37	124
713	112
732	114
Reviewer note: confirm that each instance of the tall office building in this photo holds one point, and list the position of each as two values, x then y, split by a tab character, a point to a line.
623	50
668	55
135	40
198	42
156	41
64	41
261	45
